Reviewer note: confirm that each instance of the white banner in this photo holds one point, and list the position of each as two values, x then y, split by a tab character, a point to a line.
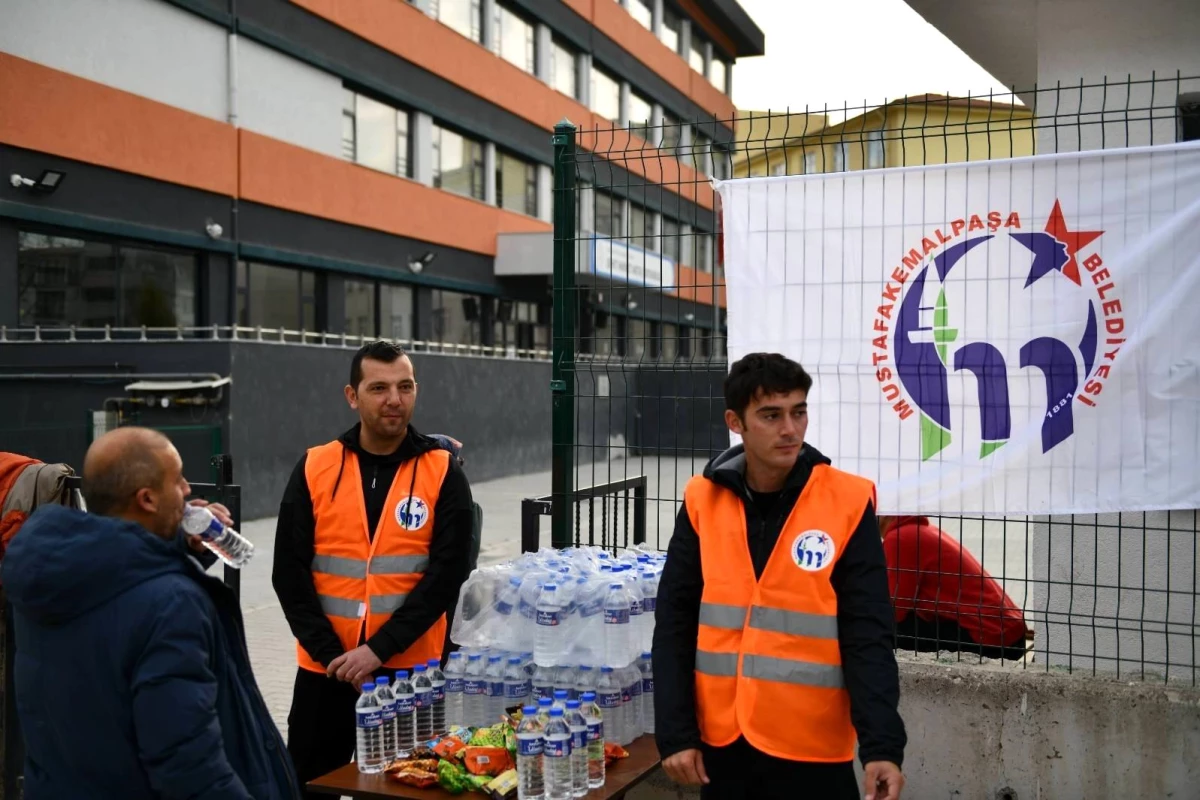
1018	336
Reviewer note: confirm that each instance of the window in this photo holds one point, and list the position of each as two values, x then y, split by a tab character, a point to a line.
516	184
514	39
721	164
669	349
696	54
455	317
640	113
841	152
516	327
637	336
464	16
874	149
349	133
63	281
701	145
359	308
718	74
564	70
457	163
669	245
810	163
381	136
643	13
701	256
778	169
276	297
610	216
606	95
672	30
670	133
396	311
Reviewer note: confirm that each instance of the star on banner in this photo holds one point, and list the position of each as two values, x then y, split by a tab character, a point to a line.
1074	241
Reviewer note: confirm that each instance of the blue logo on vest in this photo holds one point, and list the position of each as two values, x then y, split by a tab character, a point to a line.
412	513
813	550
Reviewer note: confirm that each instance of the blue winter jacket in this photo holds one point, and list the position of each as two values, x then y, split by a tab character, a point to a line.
132	675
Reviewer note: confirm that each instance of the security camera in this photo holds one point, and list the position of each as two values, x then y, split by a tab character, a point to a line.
214	229
418	264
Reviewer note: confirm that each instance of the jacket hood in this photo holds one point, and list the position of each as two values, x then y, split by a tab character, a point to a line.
64	562
729	468
414	444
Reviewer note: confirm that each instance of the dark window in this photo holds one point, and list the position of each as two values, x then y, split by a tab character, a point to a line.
516	184
396	311
457	163
359	308
63	281
456	318
276	297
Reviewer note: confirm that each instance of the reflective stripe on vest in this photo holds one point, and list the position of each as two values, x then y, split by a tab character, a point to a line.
362	577
768	662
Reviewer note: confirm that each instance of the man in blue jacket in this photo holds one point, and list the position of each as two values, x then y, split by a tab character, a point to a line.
132	674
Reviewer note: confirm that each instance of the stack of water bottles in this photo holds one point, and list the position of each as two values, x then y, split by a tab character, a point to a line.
394	718
575	621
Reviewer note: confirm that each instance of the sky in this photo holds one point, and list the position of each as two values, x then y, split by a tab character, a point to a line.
849	51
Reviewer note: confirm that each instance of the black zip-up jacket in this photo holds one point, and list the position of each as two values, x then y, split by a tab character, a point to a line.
435	594
864	614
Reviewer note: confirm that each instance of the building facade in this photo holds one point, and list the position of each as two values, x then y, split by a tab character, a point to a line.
311	172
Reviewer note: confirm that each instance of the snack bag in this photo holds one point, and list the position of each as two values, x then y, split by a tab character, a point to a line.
488	737
489	761
479	782
612	752
449	746
452	777
413	776
504	787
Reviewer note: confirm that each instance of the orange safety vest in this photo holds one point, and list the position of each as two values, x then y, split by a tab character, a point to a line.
360	580
768	665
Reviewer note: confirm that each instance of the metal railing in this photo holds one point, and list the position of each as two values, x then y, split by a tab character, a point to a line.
614	499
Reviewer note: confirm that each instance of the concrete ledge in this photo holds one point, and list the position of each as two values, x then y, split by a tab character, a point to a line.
1013	733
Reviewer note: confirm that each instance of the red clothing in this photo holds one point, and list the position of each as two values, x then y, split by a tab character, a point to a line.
932	574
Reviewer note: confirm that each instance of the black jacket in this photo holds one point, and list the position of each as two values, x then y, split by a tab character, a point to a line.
131	671
864	615
434	595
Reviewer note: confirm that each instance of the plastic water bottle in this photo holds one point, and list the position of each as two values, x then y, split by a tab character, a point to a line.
547	645
649	604
564	679
560	699
369	720
474	692
455	671
608	697
438	680
556	749
585	680
405	713
637	625
228	545
543	682
530	784
579	749
423	702
543	710
633	679
595	740
616	625
387	701
516	683
494	693
647	670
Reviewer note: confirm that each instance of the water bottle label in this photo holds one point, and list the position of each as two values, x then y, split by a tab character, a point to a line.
626	694
609	699
557	748
515	691
423	699
372	718
595	731
647	685
649	605
636	689
454	685
389	712
614	616
635	608
439	693
474	687
529	747
548	618
543	691
579	738
504	608
526	609
591	609
404	705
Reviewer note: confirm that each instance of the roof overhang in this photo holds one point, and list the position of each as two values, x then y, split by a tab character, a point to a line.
1000	37
737	24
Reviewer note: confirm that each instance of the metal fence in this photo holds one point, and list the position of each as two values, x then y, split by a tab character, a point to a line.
638	347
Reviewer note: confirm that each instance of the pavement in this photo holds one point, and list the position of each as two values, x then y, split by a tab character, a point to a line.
1003	550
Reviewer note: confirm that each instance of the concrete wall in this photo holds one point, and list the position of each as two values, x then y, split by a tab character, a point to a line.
146	47
991	733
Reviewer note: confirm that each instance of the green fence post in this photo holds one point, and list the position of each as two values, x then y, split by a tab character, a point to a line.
562	376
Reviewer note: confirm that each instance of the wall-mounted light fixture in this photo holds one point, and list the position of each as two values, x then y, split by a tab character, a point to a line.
50	180
415	265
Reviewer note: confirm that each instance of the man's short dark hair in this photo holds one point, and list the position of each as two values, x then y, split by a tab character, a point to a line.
762	373
380	350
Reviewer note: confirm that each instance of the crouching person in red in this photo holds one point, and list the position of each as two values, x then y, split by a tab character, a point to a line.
943	597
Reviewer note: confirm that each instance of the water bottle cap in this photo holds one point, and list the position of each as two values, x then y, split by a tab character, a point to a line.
646	656
433	662
585	667
556	711
494	659
455	656
382	680
514	581
606	669
544	701
560	694
550	587
526	655
473	656
643	559
573	704
368	687
527	710
401	674
419	668
514	660
615	585
588	697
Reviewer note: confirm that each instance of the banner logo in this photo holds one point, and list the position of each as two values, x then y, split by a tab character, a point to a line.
813	550
412	513
929	325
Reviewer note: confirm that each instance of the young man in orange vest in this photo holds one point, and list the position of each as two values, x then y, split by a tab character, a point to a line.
371	548
773	632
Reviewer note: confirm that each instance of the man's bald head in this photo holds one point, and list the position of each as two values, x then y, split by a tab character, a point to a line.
119	464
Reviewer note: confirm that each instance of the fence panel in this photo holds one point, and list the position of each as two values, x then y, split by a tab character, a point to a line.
639	343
